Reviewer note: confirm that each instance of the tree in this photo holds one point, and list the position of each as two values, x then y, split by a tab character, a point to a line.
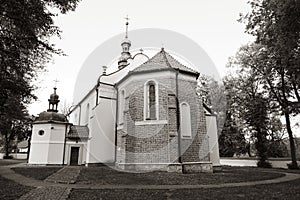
25	27
66	108
231	139
15	124
276	145
213	95
275	56
256	115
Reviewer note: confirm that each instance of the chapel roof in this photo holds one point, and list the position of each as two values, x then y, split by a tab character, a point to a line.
51	117
163	60
78	132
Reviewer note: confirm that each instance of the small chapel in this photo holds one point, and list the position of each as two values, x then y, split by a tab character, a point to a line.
146	115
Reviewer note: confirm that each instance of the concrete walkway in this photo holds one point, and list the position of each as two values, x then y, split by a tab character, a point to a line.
53	187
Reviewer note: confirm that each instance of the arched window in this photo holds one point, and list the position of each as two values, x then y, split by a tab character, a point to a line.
151	101
185	121
121	106
87	114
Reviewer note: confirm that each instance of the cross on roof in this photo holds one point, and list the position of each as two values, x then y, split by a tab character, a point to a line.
55	82
127	23
127	18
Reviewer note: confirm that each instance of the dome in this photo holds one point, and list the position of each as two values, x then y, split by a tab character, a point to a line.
54	97
126	40
51	117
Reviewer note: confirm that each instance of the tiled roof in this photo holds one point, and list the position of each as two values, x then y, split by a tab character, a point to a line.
23	144
77	132
163	60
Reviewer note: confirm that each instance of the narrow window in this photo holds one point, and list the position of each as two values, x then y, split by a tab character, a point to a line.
185	121
152	102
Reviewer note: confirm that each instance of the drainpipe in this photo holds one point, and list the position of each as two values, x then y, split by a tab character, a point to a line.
98	84
178	118
116	124
97	92
79	117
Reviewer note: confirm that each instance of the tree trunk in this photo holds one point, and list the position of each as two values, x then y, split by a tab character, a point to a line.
6	145
294	164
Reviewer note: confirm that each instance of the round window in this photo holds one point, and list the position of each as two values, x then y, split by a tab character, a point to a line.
41	132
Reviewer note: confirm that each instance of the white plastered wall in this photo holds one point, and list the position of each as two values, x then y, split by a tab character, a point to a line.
212	132
47	148
101	144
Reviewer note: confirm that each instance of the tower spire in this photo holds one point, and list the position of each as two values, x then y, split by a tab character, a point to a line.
126	44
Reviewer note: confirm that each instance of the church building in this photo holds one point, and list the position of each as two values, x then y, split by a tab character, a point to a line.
146	115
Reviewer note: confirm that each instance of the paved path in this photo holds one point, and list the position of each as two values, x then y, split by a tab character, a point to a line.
57	186
66	175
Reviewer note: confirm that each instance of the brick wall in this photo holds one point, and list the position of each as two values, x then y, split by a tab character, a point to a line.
158	143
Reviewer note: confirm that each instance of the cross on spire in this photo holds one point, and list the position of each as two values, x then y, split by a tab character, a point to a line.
55	82
127	23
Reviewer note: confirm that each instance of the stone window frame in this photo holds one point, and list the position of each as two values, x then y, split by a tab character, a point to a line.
146	100
186	118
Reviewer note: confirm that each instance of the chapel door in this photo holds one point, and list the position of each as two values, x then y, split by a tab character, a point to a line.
74	156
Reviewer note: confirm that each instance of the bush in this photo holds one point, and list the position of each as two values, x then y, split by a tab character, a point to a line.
264	164
7	157
291	166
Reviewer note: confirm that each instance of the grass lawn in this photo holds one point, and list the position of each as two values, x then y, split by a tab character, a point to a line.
282	191
108	176
38	173
105	175
12	190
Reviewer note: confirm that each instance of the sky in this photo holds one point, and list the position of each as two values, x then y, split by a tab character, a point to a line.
210	23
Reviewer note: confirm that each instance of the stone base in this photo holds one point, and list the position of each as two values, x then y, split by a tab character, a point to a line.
217	168
142	167
197	167
193	167
98	164
174	167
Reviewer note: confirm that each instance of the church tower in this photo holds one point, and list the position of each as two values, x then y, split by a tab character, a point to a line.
126	44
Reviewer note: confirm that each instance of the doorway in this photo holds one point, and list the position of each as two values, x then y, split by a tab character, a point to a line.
74	156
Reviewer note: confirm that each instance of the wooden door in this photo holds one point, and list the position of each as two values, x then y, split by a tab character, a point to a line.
74	156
